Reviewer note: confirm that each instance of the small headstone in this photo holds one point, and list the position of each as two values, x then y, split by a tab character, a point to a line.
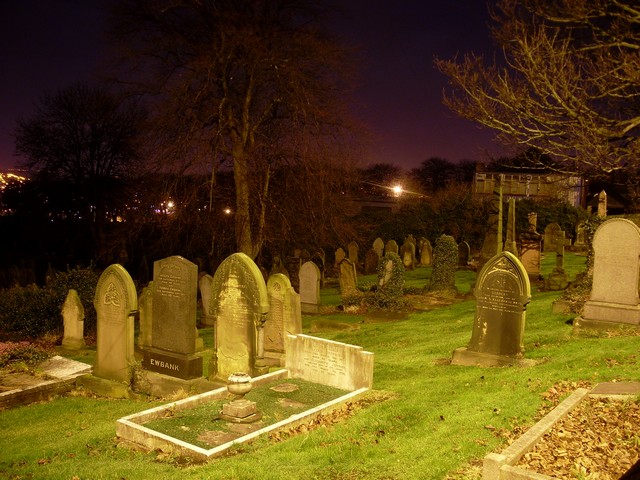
309	287
391	247
371	260
73	319
116	302
581	236
378	246
239	303
530	257
145	307
464	251
426	252
502	292
408	254
204	284
550	233
602	204
174	334
614	294
348	278
284	316
353	249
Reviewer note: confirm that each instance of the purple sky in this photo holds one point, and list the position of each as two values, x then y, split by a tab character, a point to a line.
47	44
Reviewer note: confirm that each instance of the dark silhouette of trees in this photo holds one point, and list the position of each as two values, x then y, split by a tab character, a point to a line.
79	147
251	86
567	84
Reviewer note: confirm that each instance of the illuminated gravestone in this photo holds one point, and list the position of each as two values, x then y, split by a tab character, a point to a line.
309	287
348	278
391	247
614	294
174	334
426	252
378	246
116	302
73	319
502	294
239	304
408	254
353	250
284	317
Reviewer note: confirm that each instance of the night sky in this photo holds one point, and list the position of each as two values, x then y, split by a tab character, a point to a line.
48	44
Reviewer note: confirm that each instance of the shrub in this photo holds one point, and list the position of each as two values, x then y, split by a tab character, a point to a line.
387	294
23	353
445	264
33	311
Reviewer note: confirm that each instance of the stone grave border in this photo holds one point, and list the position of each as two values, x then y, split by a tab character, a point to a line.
131	428
502	466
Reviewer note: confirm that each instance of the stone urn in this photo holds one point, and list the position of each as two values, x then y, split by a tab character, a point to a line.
239	384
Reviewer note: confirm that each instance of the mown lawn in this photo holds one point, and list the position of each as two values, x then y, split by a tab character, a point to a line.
425	419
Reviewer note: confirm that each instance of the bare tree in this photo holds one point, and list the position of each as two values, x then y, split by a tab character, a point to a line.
249	84
568	83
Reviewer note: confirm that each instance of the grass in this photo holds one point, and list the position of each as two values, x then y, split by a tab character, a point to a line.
425	420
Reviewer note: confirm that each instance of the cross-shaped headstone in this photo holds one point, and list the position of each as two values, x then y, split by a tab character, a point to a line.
560	243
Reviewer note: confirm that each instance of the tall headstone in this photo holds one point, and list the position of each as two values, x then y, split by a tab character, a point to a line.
145	308
174	333
309	287
426	252
204	284
464	252
408	254
550	233
239	303
510	244
339	256
445	264
284	316
502	294
378	246
354	250
558	278
116	302
348	278
493	238
73	319
602	204
391	247
614	294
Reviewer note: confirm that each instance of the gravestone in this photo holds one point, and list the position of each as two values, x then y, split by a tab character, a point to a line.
464	251
339	256
116	302
309	287
530	256
502	294
353	250
278	267
284	316
239	304
426	252
580	243
378	246
73	319
550	233
390	281
348	278
510	243
558	278
204	284
391	247
602	204
371	260
445	264
408	254
145	312
614	294
174	333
